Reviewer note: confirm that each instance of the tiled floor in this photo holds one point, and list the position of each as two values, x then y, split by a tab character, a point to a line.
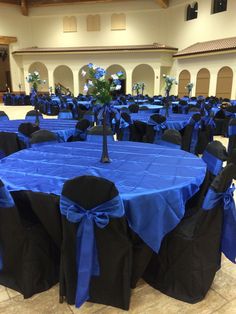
221	299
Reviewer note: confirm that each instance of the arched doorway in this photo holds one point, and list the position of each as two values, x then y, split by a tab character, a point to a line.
224	82
43	72
5	76
63	75
114	68
203	83
184	79
144	73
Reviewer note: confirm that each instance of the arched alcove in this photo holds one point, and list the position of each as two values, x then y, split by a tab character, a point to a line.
184	79
203	82
43	72
144	73
224	82
63	75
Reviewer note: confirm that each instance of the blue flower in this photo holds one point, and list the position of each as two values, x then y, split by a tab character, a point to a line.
99	73
117	82
120	73
90	65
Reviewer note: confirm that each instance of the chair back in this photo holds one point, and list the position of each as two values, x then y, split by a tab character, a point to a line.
190	134
65	114
214	155
31	115
3	116
134	108
232	135
155	128
171	138
95	134
43	137
92	216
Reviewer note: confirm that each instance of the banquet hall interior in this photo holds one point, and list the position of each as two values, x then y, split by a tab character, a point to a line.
143	45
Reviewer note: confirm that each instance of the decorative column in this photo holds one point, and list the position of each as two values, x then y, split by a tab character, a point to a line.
193	79
157	81
233	92
213	82
51	80
76	83
27	85
129	81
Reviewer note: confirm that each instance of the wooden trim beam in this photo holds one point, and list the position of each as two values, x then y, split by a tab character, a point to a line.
163	3
6	40
24	7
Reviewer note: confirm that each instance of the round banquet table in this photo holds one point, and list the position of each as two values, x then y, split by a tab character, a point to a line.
154	181
174	121
62	128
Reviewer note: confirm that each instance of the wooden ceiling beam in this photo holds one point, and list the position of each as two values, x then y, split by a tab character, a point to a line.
6	40
24	7
163	3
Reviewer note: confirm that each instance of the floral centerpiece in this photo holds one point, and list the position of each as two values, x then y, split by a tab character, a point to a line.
189	88
35	81
169	81
101	88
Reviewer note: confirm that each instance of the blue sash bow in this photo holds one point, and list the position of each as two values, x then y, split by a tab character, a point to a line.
159	128
214	165
194	138
81	134
125	129
228	239
123	124
231	130
86	249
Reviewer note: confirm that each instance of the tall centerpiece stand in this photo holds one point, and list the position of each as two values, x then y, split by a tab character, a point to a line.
169	81
102	88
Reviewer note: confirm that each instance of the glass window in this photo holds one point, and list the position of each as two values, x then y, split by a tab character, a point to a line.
219	6
192	11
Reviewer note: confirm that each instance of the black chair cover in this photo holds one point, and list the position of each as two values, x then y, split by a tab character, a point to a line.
172	136
134	108
30	256
9	143
112	287
43	136
150	132
232	137
190	255
27	128
188	131
33	113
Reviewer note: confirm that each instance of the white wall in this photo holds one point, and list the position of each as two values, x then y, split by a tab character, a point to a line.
146	23
213	64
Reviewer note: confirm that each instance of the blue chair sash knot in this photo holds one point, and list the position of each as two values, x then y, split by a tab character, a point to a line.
81	134
231	130
194	138
86	249
123	124
228	239
214	164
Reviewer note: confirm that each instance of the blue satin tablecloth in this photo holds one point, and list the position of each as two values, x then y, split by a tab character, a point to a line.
147	105
62	128
154	181
175	121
